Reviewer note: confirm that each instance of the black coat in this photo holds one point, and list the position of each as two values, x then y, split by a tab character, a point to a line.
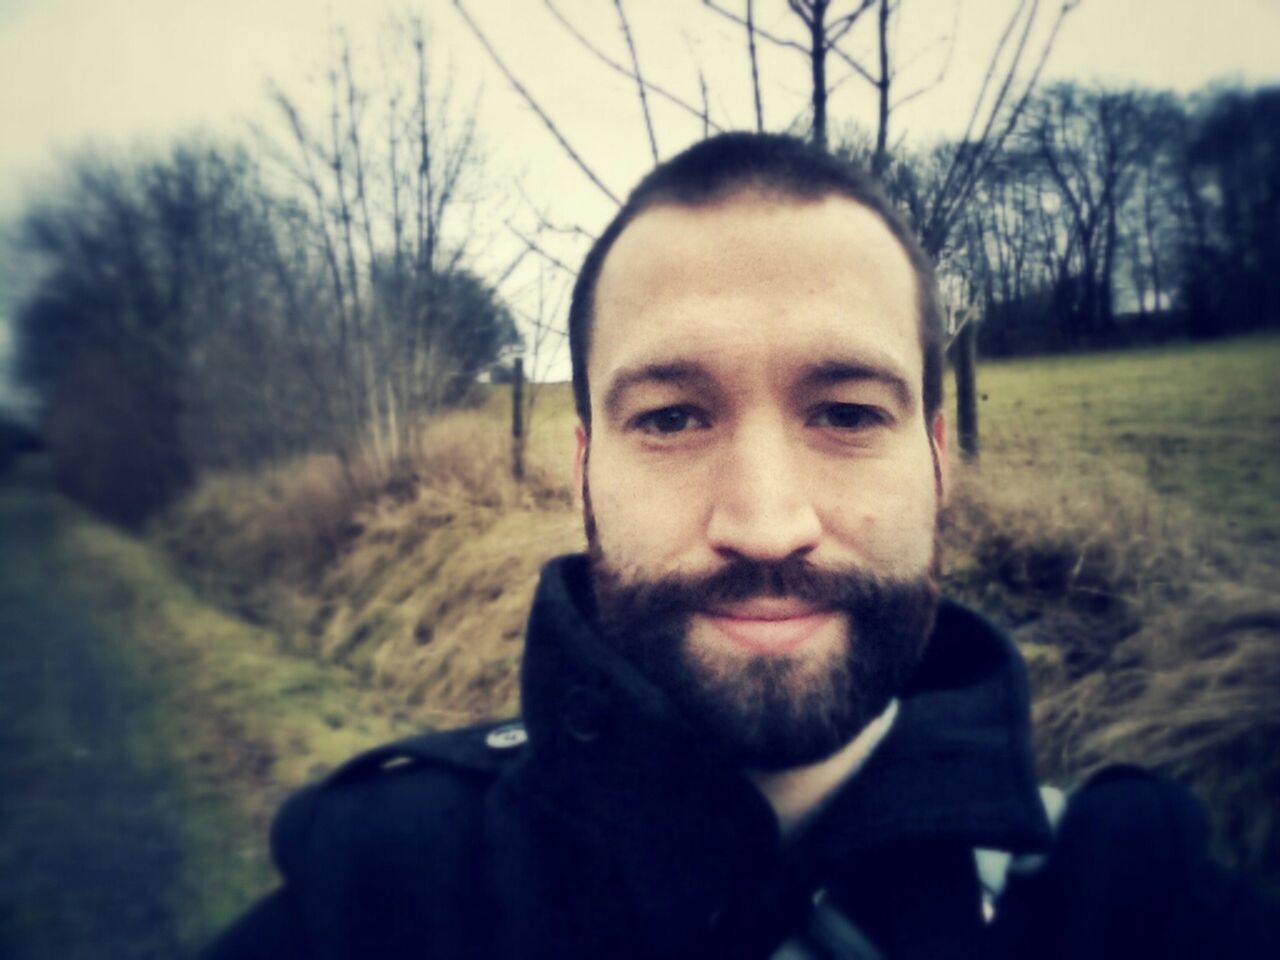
613	832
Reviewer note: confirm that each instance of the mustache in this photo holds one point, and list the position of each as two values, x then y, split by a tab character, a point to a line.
739	580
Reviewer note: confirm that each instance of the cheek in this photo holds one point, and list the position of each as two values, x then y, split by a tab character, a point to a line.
644	521
886	518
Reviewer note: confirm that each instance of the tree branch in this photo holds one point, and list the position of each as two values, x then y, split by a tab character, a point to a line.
706	103
950	40
995	60
533	104
839	27
755	67
640	85
947	38
534	247
541	326
656	89
858	68
968	165
544	223
771	37
511	267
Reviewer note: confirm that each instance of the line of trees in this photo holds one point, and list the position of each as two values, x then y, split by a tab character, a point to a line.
223	307
1122	216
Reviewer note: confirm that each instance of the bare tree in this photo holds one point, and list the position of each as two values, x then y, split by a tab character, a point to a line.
997	108
156	330
1089	142
824	29
385	175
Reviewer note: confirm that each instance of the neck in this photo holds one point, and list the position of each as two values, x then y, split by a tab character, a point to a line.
798	793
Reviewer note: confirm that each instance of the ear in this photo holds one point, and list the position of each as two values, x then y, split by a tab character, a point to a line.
942	460
582	443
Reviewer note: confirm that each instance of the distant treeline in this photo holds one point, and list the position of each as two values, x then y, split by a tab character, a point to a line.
225	306
1120	216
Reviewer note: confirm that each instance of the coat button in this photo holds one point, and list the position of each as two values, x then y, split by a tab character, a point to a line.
507	737
583	715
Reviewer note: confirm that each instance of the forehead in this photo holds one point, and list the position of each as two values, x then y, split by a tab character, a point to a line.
756	277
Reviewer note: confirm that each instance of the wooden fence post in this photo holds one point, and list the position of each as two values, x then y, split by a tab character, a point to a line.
965	358
517	419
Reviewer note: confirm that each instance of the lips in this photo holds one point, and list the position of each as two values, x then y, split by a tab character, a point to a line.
770	626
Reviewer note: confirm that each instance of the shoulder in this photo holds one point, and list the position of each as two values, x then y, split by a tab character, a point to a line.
403	794
1130	873
1126	832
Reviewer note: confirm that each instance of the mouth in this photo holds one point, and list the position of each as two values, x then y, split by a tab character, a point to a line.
772	626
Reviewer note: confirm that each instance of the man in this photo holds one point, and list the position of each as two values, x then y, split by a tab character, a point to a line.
751	729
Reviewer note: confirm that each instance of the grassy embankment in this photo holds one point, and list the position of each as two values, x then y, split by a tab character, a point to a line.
1122	523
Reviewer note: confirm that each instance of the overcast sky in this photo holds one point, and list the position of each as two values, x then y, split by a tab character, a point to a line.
133	74
117	71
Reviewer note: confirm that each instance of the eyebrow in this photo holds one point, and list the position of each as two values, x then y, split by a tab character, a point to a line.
833	372
680	373
688	373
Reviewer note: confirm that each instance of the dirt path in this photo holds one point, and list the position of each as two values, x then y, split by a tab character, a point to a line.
89	849
146	738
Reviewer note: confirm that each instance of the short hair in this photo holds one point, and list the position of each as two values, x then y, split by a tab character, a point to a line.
730	163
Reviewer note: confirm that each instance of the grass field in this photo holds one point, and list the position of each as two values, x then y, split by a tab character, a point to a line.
1199	423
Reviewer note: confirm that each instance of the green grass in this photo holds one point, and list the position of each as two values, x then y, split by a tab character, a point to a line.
1122	521
1200	423
227	724
235	721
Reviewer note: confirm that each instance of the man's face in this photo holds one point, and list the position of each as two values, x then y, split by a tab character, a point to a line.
761	486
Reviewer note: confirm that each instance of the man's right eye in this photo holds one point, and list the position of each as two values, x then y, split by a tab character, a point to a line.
670	420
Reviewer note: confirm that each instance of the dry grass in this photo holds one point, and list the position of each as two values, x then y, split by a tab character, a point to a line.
467	455
420	582
1151	630
244	529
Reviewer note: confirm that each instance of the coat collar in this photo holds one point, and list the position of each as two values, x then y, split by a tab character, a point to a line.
957	763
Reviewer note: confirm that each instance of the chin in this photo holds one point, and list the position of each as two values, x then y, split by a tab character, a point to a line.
737	655
772	711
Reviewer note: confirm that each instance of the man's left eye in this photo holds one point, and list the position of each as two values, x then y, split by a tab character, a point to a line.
846	416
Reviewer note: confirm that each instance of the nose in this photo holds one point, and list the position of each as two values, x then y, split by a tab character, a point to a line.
761	506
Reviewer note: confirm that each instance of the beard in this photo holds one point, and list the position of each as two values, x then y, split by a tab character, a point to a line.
769	712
